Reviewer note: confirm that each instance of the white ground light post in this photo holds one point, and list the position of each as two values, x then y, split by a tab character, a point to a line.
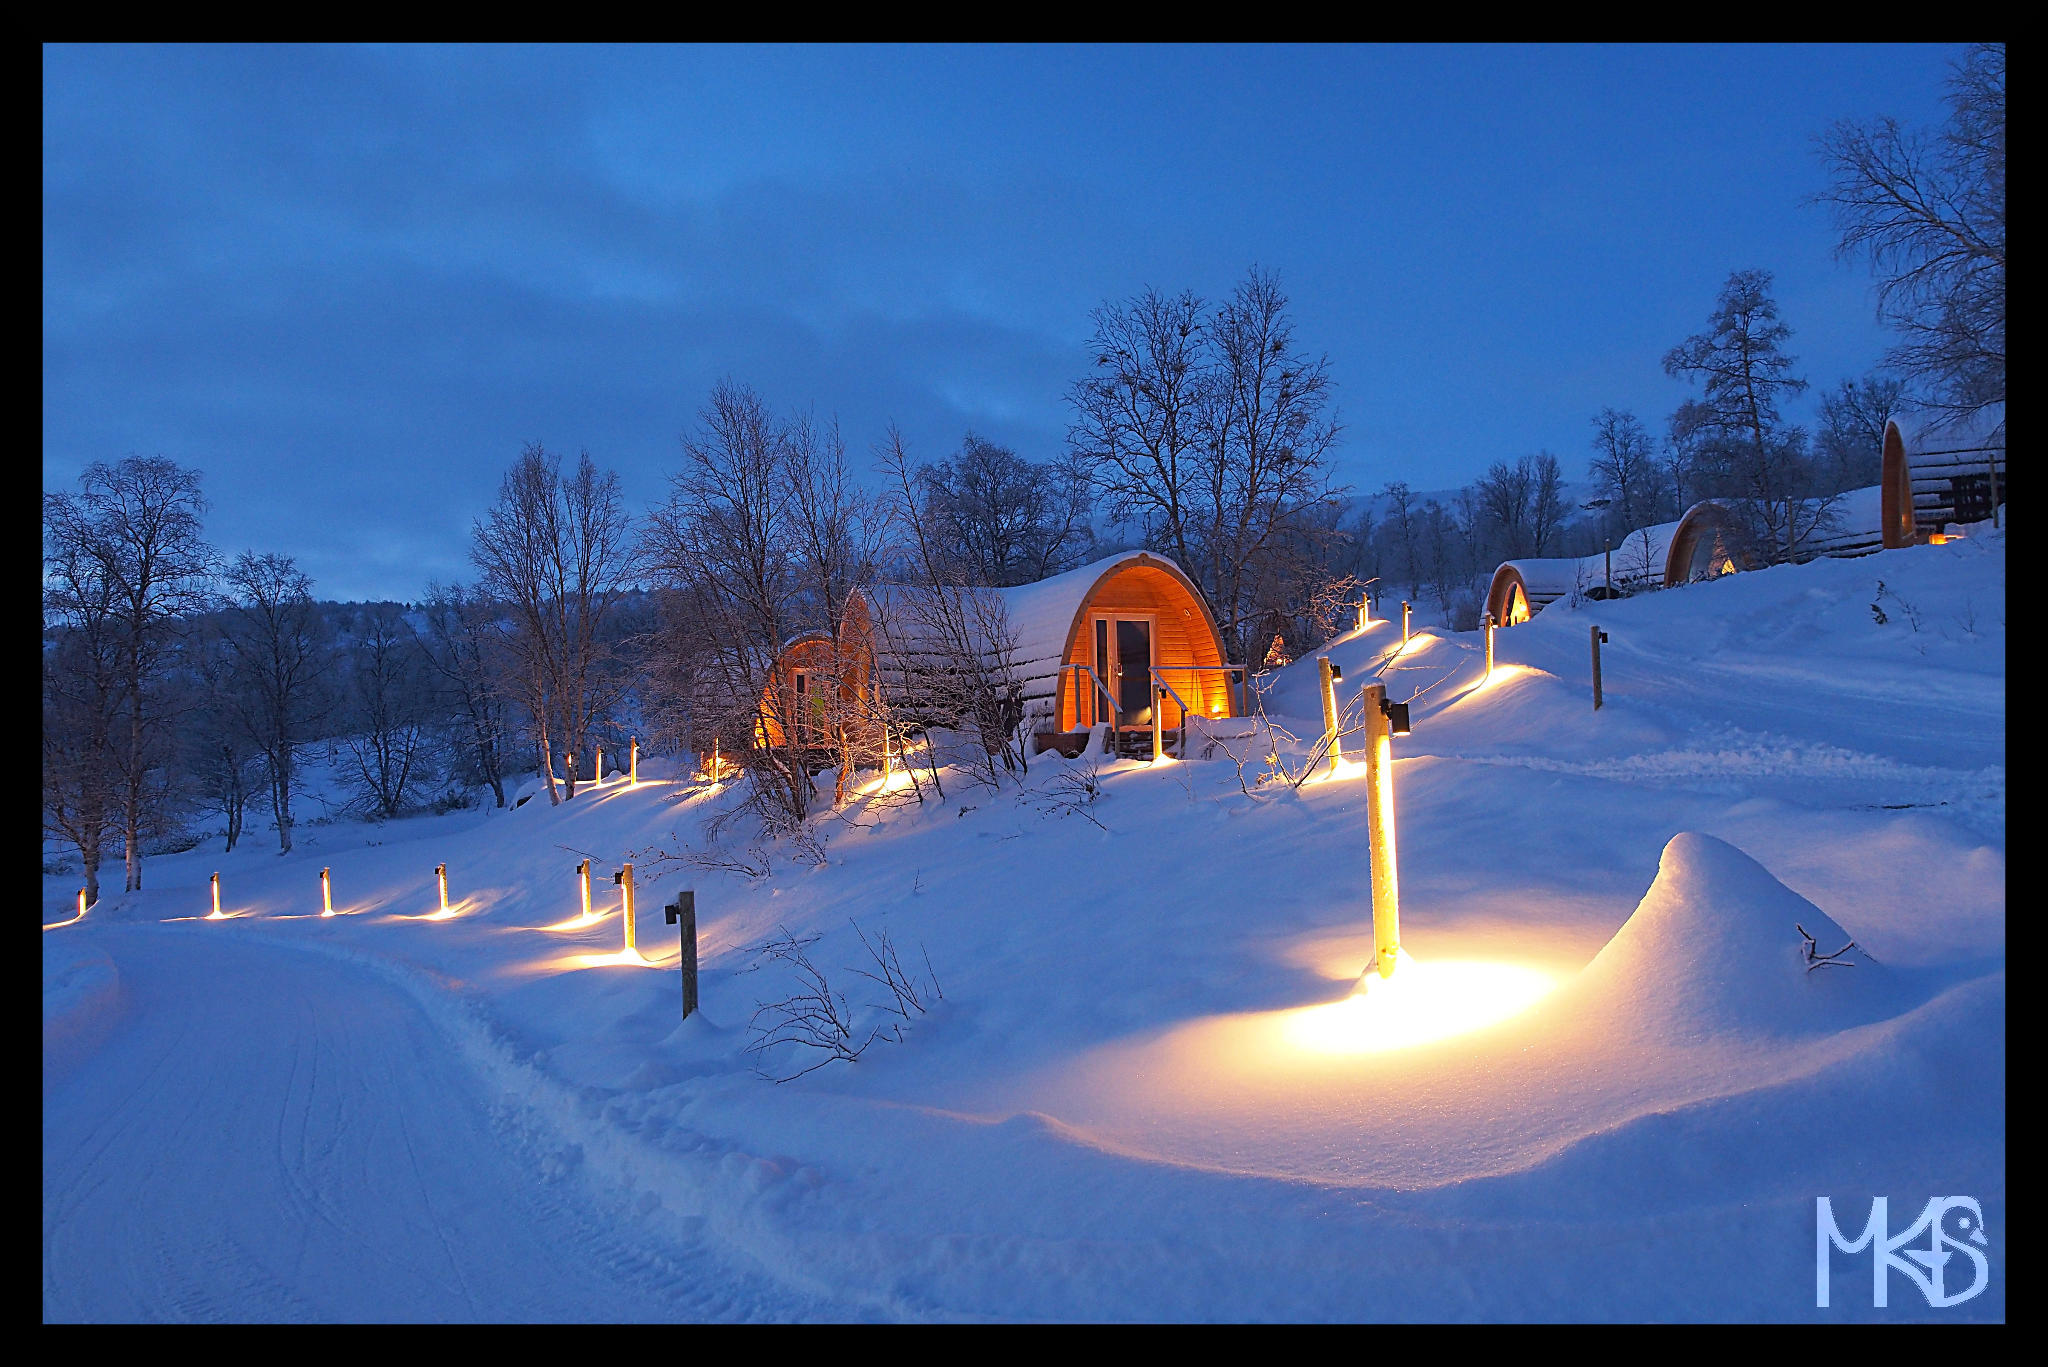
1330	675
624	878
1381	723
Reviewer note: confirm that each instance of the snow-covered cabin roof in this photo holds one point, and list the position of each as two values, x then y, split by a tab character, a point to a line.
1025	632
1934	465
1541	582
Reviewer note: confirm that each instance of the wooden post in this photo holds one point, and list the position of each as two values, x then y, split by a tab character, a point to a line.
684	911
216	896
1364	609
624	878
597	770
441	877
81	901
1405	609
1158	723
326	895
583	886
1328	673
1598	637
1379	830
1488	624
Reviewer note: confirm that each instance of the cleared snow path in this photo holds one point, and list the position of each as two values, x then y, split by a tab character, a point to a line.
267	1135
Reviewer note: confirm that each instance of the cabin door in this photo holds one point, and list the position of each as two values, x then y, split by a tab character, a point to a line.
1123	661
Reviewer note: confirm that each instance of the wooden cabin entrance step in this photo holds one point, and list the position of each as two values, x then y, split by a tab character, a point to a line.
1135	742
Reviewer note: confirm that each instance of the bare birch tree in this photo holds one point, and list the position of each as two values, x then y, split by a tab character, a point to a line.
560	550
386	733
1928	213
140	522
282	655
464	646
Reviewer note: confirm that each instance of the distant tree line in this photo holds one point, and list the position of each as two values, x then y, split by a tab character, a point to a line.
183	686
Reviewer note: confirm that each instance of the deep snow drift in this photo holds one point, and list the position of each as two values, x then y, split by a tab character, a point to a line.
1613	1085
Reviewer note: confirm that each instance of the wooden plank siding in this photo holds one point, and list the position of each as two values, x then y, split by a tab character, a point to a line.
1182	635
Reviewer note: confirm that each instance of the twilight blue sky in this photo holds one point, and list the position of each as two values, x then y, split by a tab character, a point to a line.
348	284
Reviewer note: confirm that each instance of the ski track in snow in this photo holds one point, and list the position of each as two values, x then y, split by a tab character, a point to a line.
289	1142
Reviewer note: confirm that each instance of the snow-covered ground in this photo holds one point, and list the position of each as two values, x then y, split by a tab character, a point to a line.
1610	1087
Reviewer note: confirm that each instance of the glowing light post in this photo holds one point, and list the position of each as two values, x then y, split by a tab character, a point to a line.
1330	675
1405	633
1159	724
1598	637
570	769
441	877
583	886
326	895
624	878
81	902
216	898
1488	624
597	772
1383	721
1365	609
633	762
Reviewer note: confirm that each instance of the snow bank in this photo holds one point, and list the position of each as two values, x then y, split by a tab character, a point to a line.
1715	948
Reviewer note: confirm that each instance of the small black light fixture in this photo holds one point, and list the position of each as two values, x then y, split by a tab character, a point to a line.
1397	717
1336	674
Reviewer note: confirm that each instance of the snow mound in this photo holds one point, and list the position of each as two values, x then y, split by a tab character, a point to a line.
1715	948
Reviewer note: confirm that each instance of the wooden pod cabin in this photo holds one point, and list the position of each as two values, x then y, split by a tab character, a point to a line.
1522	588
1090	644
1067	653
1938	472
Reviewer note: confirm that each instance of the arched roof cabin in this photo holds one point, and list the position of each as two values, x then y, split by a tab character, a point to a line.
1090	643
1077	649
799	700
1523	588
1941	471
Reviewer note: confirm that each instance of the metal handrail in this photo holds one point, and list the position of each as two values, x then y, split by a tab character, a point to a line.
1115	712
1185	710
1243	676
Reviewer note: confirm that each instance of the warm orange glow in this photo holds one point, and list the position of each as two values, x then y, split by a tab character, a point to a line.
633	763
582	922
893	781
1501	674
216	899
326	895
1937	538
441	877
58	925
566	963
1422	1003
719	769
